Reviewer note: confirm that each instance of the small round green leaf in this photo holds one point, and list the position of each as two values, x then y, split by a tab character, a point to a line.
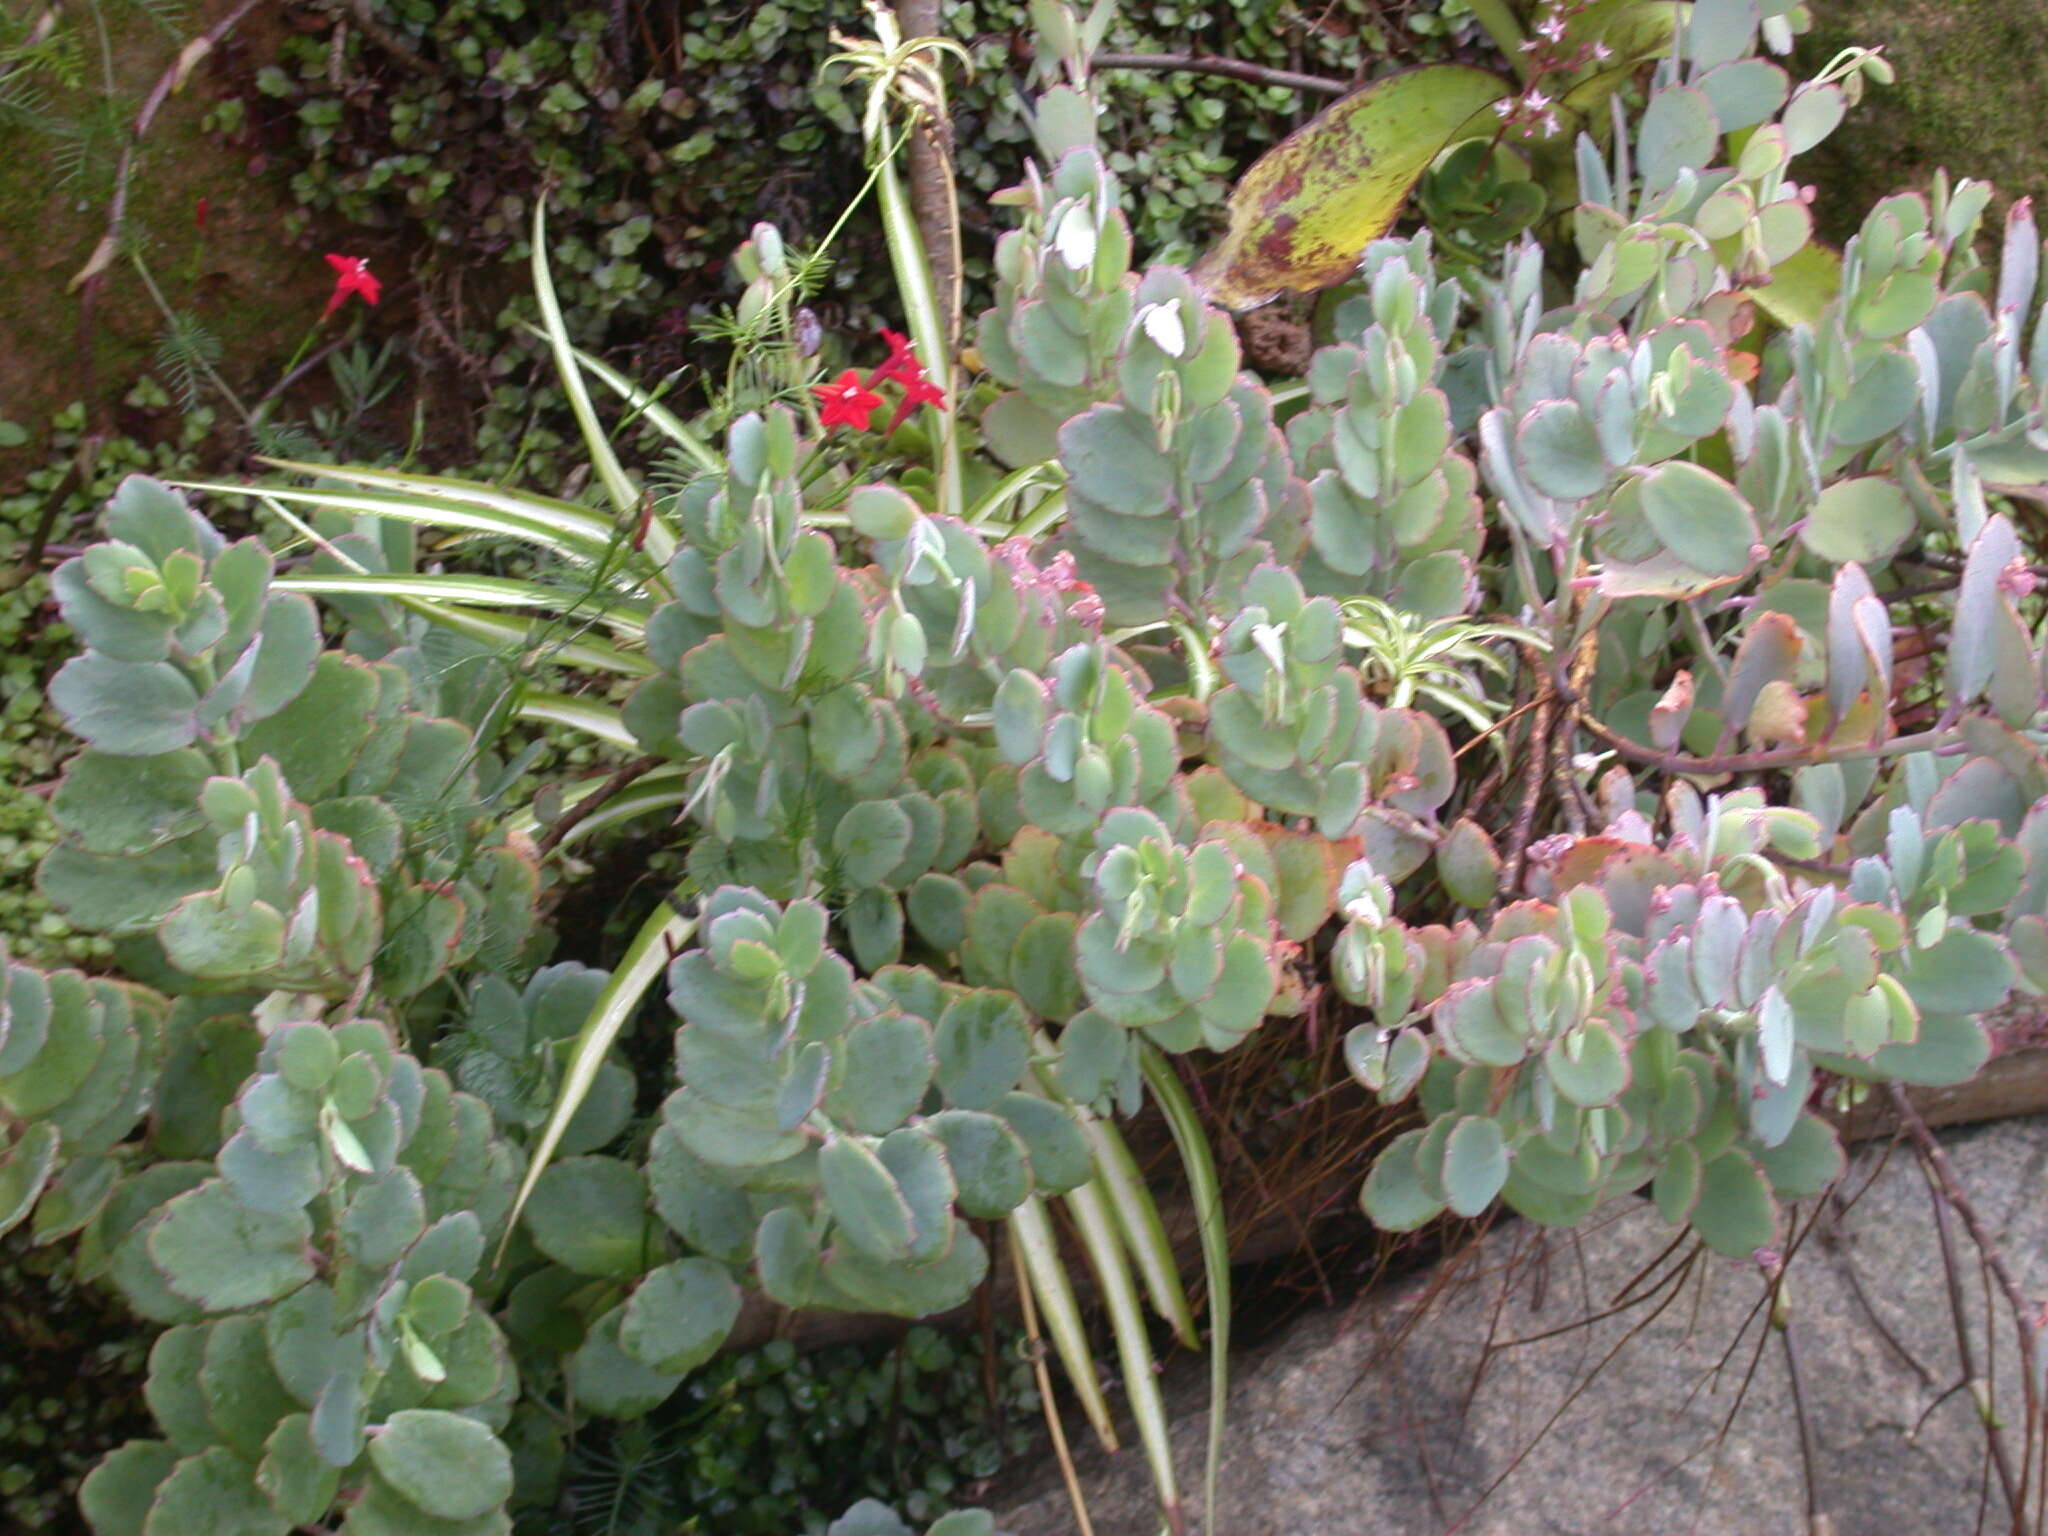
983	1044
1700	518
988	1161
1060	1159
865	1200
870	840
609	1381
1866	520
451	1467
213	1250
215	1492
117	1493
1806	1162
679	1315
306	1055
292	1474
1587	1065
1475	1164
590	1214
881	512
1676	1188
126	708
1393	1197
1735	1214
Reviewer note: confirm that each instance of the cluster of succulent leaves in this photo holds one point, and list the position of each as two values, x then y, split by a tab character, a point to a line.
980	828
32	644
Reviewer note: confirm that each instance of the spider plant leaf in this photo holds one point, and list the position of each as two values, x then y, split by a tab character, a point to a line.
1137	1218
922	311
642	403
573	544
498	631
492	591
1038	1254
618	485
1199	1163
602	721
566	517
1104	1246
657	789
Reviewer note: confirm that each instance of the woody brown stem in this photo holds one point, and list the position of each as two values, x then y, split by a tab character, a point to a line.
930	181
576	814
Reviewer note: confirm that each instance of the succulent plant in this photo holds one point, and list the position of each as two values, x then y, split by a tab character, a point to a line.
981	827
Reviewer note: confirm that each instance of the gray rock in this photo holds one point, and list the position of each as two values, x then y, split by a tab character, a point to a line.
1392	1416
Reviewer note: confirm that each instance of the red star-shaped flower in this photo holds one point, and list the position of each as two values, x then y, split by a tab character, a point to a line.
845	402
917	390
901	364
351	275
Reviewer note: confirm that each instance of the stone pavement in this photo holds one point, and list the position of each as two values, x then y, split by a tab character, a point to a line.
1342	1427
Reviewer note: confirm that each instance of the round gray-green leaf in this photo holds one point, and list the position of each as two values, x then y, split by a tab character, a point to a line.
609	1381
1735	1213
1587	1066
1866	520
214	1492
1393	1197
870	840
989	1163
881	512
590	1214
292	1473
1700	518
865	1200
1475	1164
1558	452
870	1517
127	708
213	1250
117	1493
1676	1188
307	1055
1678	133
450	1466
679	1315
984	1044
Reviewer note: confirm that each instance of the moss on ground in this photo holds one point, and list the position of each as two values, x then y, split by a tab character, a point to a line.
250	284
1968	98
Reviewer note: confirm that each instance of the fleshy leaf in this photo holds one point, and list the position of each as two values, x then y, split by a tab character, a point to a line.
1302	216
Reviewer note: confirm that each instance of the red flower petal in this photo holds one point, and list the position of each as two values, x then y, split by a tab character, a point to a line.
844	402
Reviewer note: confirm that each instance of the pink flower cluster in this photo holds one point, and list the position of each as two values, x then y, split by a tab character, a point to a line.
1534	112
1055	582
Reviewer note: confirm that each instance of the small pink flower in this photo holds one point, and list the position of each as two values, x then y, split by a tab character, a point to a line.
2017	579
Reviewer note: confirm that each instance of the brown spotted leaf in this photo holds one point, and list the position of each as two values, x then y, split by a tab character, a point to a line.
1302	216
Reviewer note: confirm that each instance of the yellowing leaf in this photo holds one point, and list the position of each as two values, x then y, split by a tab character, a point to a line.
1302	216
1801	286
